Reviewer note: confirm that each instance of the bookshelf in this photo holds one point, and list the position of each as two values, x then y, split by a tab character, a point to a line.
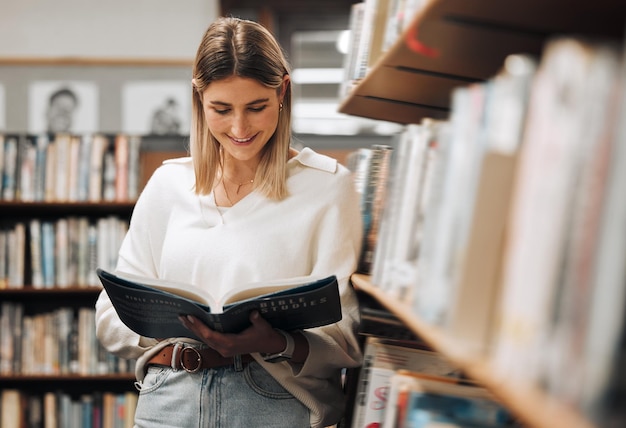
453	43
38	368
467	41
533	406
49	350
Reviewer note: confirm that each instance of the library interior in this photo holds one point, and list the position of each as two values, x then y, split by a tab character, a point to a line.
490	277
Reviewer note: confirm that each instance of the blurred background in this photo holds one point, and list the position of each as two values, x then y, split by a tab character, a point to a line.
82	40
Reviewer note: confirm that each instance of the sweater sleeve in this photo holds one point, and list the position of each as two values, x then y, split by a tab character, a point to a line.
337	251
138	255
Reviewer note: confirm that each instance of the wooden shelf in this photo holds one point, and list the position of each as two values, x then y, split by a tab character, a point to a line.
51	209
467	41
36	378
29	292
72	383
533	406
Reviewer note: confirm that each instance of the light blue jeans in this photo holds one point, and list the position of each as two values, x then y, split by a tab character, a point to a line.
217	398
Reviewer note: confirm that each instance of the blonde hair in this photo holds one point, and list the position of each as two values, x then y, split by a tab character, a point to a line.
237	47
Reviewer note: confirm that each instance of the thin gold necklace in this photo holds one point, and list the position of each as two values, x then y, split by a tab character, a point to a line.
236	183
226	193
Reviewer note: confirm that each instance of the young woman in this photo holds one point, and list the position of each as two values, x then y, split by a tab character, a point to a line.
245	207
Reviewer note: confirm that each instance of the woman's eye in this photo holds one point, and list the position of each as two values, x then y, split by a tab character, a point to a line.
257	109
222	111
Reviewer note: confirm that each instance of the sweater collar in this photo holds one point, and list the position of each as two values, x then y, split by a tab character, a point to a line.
308	157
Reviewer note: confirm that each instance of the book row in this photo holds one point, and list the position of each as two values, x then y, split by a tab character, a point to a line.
60	252
504	225
59	409
404	387
69	168
58	342
375	25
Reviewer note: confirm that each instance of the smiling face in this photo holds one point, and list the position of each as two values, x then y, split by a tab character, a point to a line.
242	114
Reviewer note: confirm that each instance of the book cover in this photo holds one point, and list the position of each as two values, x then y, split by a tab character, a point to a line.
151	307
401	384
381	360
435	403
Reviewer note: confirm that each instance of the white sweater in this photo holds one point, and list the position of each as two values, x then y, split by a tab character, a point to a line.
177	235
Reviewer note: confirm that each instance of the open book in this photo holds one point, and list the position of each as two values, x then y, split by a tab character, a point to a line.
151	307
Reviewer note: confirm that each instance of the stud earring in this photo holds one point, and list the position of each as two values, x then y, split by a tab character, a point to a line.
280	107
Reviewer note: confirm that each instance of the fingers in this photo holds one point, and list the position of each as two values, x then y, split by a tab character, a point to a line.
226	344
253	339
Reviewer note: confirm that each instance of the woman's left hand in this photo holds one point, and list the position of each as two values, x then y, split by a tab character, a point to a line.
259	337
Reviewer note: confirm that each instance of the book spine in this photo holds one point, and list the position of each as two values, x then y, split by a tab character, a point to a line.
9	176
373	202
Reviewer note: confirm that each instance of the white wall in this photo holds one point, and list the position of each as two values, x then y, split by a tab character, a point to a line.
155	29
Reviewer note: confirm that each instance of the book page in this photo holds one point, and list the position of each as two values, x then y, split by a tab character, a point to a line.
188	291
238	294
257	289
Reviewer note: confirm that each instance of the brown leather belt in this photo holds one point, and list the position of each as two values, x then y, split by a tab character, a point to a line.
191	359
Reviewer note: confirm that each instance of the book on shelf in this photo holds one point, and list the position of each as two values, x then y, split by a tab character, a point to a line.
2	166
350	63
10	336
36	262
470	317
12	408
419	400
378	23
9	171
449	210
151	307
397	249
557	147
381	323
604	346
571	313
371	174
16	254
27	159
4	280
381	359
389	223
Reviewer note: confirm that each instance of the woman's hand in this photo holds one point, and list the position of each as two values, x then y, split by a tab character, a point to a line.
259	337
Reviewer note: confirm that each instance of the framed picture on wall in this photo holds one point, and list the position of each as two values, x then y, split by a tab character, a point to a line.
63	106
156	107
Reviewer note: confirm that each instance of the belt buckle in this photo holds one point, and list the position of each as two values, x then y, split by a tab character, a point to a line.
198	359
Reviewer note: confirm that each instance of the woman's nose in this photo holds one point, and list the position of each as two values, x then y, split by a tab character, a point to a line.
239	126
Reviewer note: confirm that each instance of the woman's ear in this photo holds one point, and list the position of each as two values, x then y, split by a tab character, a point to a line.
194	83
285	85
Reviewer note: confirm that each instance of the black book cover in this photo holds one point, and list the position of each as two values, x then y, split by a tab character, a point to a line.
153	312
